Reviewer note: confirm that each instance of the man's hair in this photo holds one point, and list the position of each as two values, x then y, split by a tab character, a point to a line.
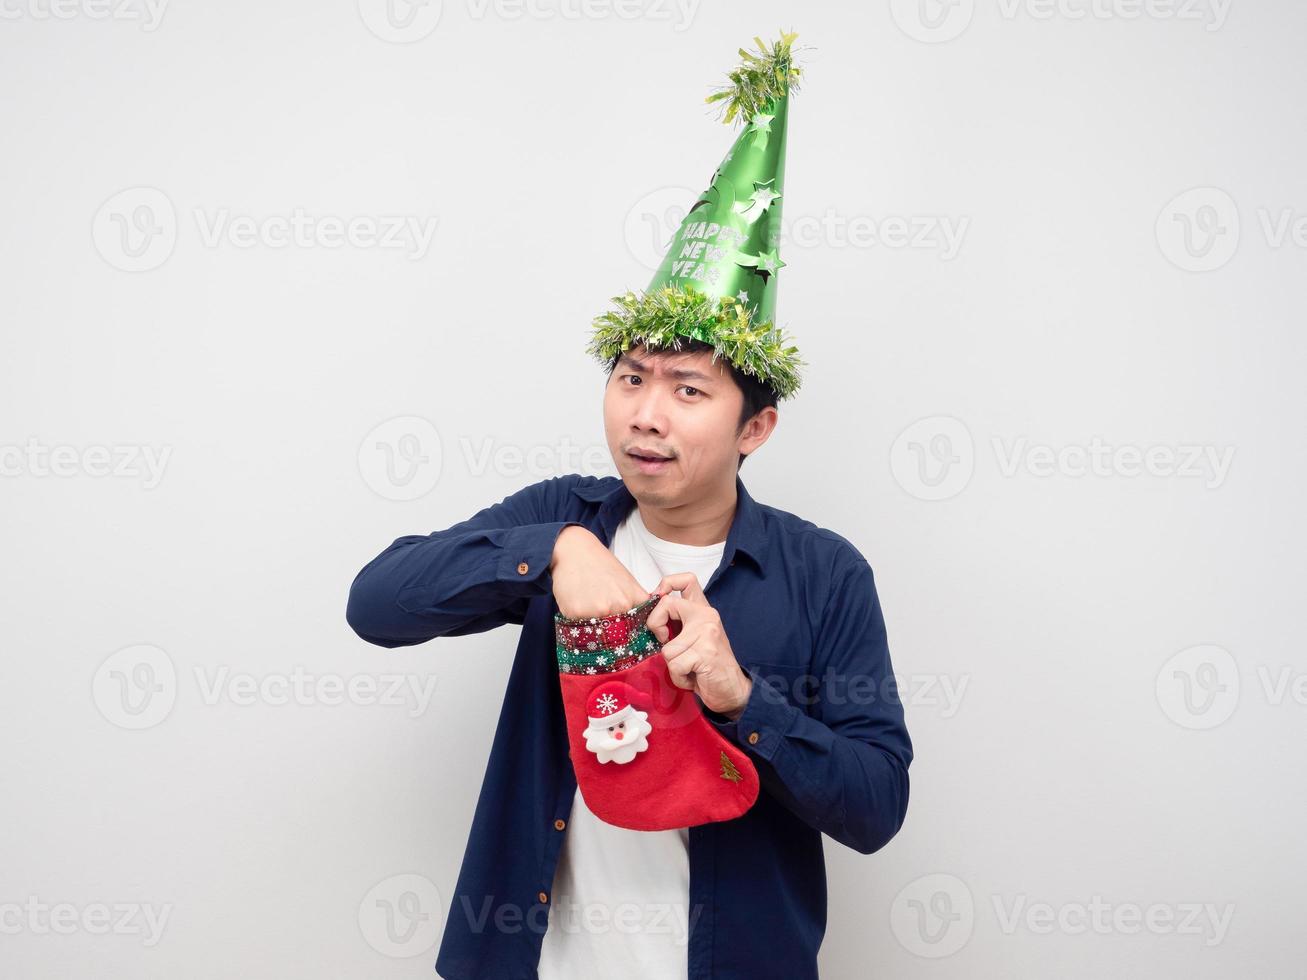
757	394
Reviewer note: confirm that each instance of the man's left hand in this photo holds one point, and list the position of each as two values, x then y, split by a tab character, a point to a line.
700	658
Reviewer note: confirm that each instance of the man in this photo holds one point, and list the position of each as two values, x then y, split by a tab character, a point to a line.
779	634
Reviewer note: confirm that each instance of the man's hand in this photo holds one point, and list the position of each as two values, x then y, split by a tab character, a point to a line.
588	579
700	657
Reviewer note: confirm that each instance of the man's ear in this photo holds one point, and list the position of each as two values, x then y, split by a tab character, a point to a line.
758	429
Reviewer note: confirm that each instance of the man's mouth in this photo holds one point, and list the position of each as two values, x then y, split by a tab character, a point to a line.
649	464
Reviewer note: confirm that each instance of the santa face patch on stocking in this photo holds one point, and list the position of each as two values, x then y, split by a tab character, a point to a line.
645	756
617	730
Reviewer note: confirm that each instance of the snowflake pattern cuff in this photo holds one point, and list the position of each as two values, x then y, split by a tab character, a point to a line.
605	644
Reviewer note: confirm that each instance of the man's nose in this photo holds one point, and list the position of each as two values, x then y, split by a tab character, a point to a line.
649	410
619	735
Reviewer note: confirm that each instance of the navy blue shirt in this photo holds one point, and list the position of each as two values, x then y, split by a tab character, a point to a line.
823	725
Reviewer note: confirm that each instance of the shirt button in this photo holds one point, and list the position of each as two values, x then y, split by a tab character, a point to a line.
523	568
753	738
543	898
560	824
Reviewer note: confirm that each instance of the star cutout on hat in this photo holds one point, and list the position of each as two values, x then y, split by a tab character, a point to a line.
769	261
757	205
760	127
720	193
766	263
742	296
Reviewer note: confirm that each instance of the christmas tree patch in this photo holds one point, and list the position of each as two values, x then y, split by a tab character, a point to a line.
728	769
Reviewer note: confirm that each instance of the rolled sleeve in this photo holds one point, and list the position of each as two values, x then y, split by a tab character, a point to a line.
527	553
470	577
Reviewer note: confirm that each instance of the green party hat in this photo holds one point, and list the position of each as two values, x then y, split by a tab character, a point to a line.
717	283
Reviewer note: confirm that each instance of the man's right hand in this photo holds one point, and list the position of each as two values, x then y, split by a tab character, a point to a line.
588	578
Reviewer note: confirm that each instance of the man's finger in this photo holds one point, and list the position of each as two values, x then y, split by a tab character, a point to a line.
665	609
679	644
679	670
686	583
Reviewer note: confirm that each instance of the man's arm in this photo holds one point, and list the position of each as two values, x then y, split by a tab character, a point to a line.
844	770
474	576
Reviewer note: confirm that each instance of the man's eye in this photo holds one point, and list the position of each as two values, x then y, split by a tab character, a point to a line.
688	388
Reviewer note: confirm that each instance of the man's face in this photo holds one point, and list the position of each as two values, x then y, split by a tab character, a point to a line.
680	406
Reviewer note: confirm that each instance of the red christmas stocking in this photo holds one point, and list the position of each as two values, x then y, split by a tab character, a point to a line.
644	755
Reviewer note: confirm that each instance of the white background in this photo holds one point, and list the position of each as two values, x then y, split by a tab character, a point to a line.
1124	730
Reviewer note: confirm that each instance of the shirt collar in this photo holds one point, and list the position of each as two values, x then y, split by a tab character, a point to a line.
747	533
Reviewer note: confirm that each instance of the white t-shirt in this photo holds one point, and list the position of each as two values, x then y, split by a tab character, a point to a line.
621	898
